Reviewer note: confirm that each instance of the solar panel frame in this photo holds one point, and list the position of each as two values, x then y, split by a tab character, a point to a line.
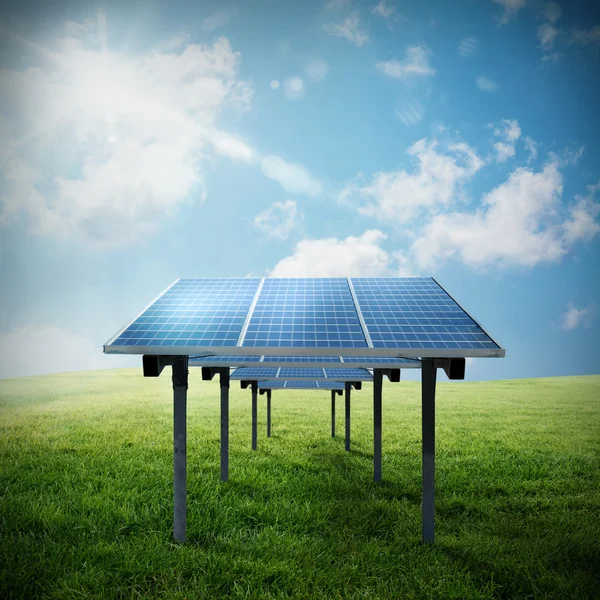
431	351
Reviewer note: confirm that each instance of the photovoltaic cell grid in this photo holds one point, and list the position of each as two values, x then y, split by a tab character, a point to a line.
299	384
305	313
194	312
416	313
288	373
225	359
301	359
348	374
411	315
383	360
250	373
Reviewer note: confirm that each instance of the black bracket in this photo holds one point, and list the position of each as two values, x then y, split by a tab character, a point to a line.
153	365
209	373
454	367
392	374
248	383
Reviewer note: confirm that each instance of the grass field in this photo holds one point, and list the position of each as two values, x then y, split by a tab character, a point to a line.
86	492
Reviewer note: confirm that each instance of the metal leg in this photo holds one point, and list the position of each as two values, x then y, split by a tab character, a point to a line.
332	413
254	414
180	385
377	386
224	424
428	376
268	413
348	387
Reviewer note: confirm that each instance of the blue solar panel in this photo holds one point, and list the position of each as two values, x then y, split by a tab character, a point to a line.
226	359
348	374
302	359
388	361
250	373
331	385
416	313
290	373
193	312
305	313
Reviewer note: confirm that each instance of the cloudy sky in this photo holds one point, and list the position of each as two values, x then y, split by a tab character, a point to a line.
142	142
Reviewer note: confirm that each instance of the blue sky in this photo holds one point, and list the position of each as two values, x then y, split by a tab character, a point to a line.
151	141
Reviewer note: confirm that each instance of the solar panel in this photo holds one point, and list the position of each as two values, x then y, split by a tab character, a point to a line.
388	361
258	373
288	373
193	312
348	374
242	360
301	359
299	384
227	359
331	385
305	313
416	313
370	317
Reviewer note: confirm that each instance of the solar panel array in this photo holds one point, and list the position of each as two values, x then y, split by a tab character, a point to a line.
251	373
243	360
299	384
368	316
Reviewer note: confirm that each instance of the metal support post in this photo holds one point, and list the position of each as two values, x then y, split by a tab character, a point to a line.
180	385
224	424
348	387
332	413
254	386
377	388
268	413
428	376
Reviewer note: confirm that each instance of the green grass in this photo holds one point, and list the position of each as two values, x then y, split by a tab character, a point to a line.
86	492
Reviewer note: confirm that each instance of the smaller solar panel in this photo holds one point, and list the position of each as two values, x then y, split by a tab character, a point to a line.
331	385
224	360
302	359
348	374
258	373
384	360
305	373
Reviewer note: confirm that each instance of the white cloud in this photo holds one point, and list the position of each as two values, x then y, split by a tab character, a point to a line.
511	8
279	220
118	142
274	84
349	29
399	196
587	36
582	224
383	10
573	317
360	256
547	34
219	18
468	46
486	85
293	88
416	63
531	148
229	145
316	70
552	12
410	113
44	349
509	134
292	177
515	225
